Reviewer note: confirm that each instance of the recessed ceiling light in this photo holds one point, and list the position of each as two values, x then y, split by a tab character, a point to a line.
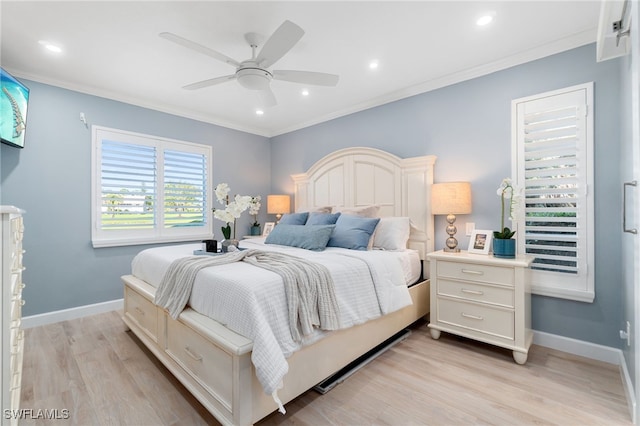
259	112
305	92
485	19
50	46
373	65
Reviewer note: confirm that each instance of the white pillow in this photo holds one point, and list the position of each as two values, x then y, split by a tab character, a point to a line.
321	209
364	211
392	233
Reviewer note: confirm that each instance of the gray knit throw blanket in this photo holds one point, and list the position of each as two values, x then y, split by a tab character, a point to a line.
308	286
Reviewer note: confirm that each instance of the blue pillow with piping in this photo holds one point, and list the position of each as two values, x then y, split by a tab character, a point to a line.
353	232
294	219
322	218
312	237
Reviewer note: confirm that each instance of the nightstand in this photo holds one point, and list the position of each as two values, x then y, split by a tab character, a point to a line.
483	298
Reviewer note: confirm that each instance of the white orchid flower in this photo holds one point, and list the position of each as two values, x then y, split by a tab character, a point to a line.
223	215
222	191
506	190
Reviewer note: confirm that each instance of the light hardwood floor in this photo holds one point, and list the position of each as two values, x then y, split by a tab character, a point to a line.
104	376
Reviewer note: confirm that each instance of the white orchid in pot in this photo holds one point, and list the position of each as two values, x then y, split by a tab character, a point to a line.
254	209
503	244
232	211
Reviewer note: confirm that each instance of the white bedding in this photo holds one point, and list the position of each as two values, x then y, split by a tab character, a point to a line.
252	302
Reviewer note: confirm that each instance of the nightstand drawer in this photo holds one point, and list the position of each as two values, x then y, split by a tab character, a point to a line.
475	272
496	322
502	296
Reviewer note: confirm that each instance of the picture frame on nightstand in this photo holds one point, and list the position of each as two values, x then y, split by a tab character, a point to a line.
268	227
480	241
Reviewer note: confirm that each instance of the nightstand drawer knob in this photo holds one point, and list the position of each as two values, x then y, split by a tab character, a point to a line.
475	317
474	292
470	271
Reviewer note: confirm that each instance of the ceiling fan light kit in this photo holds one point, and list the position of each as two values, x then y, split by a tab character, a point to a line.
254	78
253	74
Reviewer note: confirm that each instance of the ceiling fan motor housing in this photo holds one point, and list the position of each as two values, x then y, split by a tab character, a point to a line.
252	77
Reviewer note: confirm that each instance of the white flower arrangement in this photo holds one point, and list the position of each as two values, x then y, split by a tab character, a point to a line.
232	211
508	191
254	209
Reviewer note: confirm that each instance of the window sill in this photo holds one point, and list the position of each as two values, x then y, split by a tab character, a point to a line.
563	293
100	243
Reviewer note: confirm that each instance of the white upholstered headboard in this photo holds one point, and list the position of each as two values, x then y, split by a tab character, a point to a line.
354	177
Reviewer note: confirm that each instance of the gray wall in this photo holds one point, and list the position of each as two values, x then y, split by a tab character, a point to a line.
468	126
51	179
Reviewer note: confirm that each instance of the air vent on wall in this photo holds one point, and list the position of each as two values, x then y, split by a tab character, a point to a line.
613	29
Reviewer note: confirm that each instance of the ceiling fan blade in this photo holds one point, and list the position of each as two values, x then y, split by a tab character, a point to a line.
209	82
307	77
280	42
267	98
199	48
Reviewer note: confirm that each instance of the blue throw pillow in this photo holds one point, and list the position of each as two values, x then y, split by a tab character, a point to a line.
312	237
353	232
294	219
322	218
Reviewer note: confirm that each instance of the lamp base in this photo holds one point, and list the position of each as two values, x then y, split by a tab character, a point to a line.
452	243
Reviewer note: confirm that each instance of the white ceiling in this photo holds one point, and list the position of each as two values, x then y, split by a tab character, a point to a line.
112	49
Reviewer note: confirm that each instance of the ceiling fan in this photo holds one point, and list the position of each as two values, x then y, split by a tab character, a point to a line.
254	73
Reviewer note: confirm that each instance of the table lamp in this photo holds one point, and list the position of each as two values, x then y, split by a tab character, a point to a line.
451	198
278	205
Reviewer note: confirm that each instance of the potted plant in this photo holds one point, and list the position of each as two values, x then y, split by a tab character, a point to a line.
254	209
230	213
504	245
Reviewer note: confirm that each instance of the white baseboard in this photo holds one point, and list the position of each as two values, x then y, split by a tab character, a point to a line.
577	347
71	313
628	389
593	351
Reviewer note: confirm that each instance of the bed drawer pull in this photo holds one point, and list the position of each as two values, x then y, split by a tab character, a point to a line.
471	271
476	292
191	354
140	311
472	316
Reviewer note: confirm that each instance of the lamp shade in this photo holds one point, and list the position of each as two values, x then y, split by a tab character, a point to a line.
278	204
451	198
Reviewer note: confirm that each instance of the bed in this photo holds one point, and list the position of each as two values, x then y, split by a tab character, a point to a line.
215	363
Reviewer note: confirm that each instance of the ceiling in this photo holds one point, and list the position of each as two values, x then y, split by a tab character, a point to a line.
112	49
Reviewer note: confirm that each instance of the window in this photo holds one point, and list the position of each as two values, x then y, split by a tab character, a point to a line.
147	189
553	162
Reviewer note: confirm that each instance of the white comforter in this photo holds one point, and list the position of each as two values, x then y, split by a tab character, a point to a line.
251	301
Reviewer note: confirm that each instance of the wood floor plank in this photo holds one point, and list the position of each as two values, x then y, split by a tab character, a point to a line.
105	376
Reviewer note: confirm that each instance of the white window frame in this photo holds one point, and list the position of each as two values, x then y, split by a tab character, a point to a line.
581	285
159	234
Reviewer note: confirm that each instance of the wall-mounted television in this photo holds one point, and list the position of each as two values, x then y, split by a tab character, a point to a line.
14	97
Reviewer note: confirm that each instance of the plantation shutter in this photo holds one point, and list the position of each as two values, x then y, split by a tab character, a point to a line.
147	189
554	165
184	188
128	182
